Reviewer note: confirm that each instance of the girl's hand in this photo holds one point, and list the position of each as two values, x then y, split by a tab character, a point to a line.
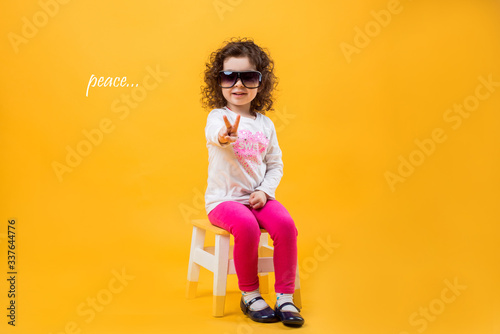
258	199
229	133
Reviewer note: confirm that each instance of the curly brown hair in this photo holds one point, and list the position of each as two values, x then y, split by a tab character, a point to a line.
259	57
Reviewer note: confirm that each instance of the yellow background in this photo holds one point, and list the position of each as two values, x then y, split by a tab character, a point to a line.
342	125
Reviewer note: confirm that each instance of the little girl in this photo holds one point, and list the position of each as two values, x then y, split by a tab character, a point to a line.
245	168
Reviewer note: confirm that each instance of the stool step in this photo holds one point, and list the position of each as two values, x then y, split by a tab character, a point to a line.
203	258
263	251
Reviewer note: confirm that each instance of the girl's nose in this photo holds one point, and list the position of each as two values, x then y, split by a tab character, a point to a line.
239	83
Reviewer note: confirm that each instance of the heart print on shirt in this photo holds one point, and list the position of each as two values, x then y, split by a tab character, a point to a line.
248	149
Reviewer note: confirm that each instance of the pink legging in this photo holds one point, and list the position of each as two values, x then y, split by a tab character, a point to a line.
244	224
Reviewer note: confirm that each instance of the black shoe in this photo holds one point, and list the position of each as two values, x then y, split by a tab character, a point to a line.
288	318
265	315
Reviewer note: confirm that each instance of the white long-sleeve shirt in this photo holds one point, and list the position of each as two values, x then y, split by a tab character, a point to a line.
253	162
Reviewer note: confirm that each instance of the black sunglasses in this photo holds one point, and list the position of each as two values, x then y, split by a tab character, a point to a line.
249	79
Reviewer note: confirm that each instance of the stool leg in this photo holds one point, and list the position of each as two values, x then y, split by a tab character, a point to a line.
263	277
220	273
197	241
297	298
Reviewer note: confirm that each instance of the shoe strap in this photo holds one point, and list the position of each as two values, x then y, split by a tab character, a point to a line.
285	304
253	301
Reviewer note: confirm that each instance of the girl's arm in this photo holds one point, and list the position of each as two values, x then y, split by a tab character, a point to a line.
274	167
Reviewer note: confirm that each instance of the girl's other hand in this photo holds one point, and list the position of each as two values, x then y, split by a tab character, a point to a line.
229	133
258	199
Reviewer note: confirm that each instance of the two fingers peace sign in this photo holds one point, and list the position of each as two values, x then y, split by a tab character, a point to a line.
229	133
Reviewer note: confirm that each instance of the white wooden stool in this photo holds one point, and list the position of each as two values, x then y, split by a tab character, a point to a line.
218	259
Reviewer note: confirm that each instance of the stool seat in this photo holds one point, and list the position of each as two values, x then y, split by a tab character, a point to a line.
218	259
207	226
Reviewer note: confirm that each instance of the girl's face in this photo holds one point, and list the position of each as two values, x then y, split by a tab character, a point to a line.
238	97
